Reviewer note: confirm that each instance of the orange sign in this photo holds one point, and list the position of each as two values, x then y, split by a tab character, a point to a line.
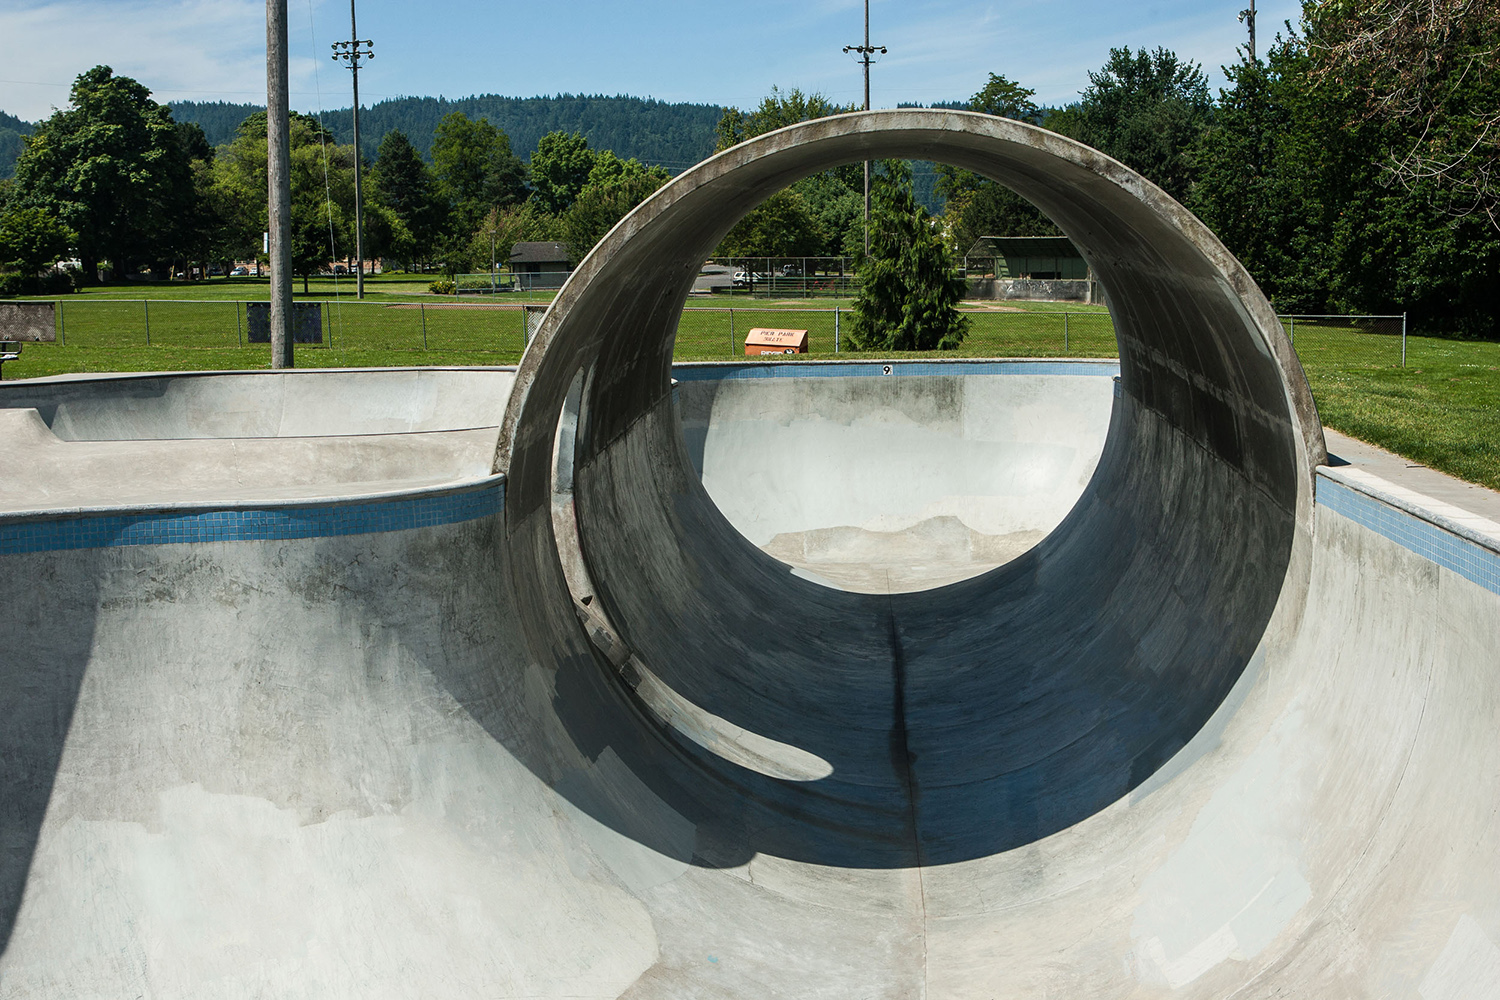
762	340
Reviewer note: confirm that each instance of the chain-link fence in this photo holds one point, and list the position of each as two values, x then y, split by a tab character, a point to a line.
1347	336
780	277
494	330
103	324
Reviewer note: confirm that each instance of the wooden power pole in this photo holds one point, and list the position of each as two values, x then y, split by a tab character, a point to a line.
279	184
1248	16
351	52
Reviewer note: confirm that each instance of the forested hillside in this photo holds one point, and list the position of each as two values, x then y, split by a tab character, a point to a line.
11	130
670	135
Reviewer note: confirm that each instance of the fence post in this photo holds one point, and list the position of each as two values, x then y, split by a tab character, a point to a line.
1403	340
1293	320
1065	331
835	329
62	326
146	305
239	329
422	308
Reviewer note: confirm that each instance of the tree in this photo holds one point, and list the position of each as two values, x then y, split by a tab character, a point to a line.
831	209
112	167
977	206
32	239
614	188
778	110
780	226
1429	69
501	230
401	183
475	168
908	293
1147	111
560	168
1005	98
322	181
1295	176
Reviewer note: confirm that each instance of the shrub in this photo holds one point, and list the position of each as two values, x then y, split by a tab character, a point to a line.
442	286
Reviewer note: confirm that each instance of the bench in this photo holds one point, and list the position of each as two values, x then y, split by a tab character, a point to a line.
10	350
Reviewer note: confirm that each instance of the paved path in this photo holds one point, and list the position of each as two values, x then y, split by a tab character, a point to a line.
1412	476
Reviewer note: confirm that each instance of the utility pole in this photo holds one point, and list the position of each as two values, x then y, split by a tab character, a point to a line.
865	51
1248	16
278	184
351	52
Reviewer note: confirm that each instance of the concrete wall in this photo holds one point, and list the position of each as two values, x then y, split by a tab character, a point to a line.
1034	290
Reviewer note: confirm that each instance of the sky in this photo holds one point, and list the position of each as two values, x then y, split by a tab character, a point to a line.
727	54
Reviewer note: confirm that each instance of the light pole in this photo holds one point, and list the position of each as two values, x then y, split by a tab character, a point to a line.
352	52
865	51
1248	16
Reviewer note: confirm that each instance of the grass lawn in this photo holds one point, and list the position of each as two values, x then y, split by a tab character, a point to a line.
1442	410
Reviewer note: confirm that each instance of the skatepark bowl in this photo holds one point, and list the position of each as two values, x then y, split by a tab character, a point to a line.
874	679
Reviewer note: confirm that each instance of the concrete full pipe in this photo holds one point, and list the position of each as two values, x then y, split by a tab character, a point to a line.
927	727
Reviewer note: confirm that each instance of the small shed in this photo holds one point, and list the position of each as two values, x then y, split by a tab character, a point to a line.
764	340
540	264
1050	258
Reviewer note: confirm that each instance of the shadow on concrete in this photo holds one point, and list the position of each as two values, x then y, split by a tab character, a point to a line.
49	602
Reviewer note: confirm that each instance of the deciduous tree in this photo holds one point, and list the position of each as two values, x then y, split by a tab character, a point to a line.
475	168
112	166
33	239
560	168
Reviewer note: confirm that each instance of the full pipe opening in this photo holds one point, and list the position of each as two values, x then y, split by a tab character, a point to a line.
768	713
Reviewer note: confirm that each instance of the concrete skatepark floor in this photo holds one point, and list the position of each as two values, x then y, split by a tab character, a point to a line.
557	724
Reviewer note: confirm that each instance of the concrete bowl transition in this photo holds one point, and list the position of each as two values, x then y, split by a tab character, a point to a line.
605	678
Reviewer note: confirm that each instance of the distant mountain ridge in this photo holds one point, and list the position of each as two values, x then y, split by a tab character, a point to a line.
675	136
11	130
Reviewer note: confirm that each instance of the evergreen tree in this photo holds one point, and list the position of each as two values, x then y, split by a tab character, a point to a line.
908	293
402	183
1147	111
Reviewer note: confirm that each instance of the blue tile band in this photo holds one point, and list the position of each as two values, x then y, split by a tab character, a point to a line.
1451	550
264	524
713	370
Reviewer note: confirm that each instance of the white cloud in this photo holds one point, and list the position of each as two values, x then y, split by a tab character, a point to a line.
187	49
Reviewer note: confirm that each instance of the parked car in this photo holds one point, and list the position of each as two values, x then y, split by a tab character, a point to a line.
239	272
791	270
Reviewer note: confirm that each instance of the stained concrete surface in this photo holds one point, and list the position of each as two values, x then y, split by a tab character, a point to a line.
887	485
144	440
